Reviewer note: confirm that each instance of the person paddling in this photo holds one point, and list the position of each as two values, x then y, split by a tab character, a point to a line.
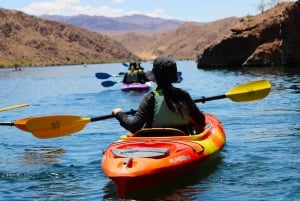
131	76
165	107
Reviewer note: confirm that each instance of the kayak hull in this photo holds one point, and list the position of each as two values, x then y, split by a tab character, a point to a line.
136	86
138	163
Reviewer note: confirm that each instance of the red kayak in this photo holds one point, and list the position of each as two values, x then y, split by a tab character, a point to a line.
133	162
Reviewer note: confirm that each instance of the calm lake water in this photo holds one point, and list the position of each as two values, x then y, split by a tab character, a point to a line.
260	160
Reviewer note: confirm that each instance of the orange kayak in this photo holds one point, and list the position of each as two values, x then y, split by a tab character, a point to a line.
133	162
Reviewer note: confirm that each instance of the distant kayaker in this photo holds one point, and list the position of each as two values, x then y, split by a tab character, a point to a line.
167	106
17	68
132	75
135	74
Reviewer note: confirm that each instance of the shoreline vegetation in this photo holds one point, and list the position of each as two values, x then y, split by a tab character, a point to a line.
25	64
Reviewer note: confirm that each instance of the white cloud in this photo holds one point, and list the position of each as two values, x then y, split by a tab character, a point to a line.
158	13
52	8
118	1
70	7
74	7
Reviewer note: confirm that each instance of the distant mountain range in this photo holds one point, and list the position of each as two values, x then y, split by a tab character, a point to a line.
132	23
149	37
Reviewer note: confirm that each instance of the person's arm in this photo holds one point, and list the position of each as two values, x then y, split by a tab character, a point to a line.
143	115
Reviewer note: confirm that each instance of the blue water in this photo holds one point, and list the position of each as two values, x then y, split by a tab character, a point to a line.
260	160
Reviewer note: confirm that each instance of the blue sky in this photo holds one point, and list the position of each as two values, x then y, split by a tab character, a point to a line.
188	10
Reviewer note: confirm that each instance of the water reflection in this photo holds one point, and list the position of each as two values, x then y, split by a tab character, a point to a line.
259	71
42	155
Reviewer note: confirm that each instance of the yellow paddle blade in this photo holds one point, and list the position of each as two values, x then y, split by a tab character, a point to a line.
251	91
52	126
13	107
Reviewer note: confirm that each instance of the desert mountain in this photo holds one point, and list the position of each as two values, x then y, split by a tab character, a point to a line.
132	23
149	37
30	41
184	42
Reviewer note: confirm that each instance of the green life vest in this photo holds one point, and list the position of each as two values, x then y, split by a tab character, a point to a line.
132	77
138	70
163	116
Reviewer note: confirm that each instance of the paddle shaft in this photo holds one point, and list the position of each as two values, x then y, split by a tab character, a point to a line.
13	107
204	99
132	111
7	123
104	117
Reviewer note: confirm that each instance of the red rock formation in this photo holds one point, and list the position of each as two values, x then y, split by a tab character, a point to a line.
290	32
269	39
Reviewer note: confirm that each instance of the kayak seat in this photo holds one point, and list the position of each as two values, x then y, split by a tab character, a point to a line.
147	152
159	132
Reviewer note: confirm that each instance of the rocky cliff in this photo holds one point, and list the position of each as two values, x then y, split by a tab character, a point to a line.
269	39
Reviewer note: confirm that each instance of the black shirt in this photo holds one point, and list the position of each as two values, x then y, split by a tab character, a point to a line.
143	117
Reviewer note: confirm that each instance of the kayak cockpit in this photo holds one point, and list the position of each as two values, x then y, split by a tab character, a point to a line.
167	134
159	132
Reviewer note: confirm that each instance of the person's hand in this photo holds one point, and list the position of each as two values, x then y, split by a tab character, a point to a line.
116	111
